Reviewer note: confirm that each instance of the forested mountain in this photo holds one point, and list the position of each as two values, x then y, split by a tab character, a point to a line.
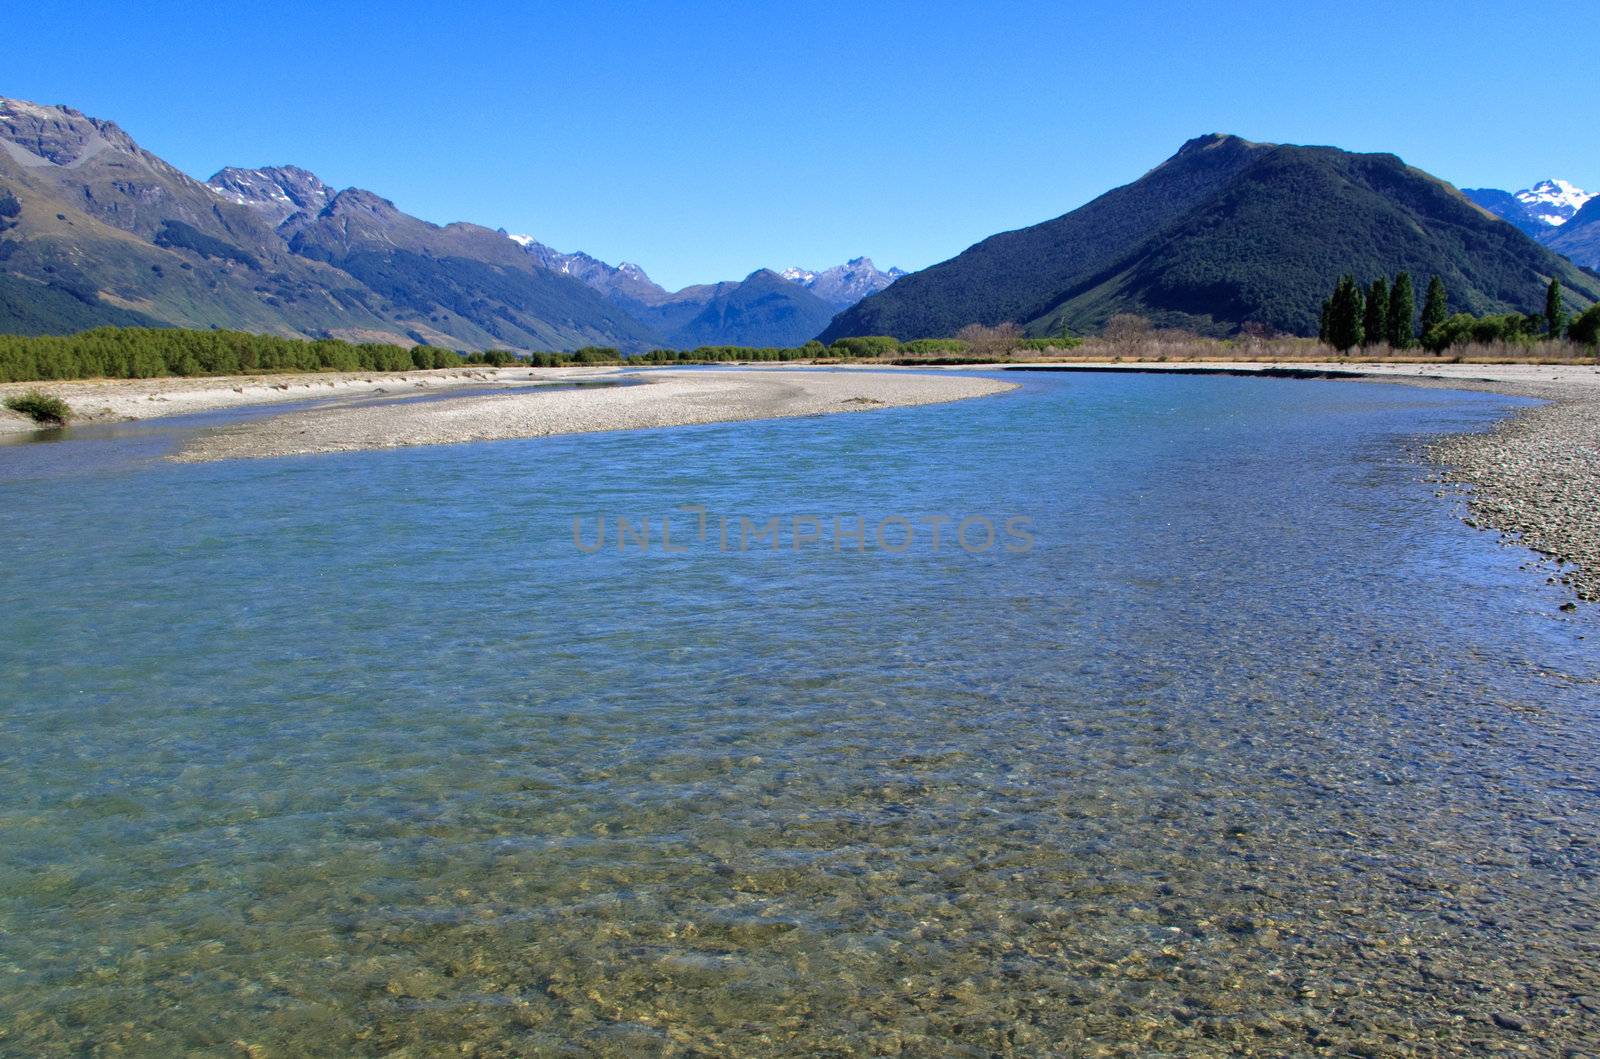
1224	233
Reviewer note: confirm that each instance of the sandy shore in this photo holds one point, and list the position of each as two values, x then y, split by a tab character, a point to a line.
665	398
100	400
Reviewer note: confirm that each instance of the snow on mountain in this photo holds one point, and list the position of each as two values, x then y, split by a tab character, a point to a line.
625	284
1553	201
843	285
840	286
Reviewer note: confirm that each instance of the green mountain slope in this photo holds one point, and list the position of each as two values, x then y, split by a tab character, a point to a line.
1015	276
1223	233
29	308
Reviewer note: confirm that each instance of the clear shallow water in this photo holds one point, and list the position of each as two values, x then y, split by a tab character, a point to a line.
1258	748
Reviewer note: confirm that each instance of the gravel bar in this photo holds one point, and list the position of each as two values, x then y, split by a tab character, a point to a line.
668	398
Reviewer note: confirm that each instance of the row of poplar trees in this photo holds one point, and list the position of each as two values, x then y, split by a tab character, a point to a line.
1381	313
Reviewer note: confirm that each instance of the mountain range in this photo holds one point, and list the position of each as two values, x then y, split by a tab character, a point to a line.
96	230
1560	215
1224	233
843	285
763	309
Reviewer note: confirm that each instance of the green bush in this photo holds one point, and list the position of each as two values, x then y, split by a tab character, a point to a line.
866	346
1585	330
595	355
40	407
922	347
1463	328
1044	345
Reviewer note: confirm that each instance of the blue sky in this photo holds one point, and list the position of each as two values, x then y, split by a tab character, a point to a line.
704	140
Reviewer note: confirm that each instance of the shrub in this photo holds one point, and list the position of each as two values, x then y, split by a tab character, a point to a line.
40	407
924	347
1585	330
866	346
595	355
1046	345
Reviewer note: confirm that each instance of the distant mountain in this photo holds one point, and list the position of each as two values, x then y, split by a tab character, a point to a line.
105	232
1538	210
1224	233
1579	238
843	285
1508	207
626	284
763	309
1553	212
462	280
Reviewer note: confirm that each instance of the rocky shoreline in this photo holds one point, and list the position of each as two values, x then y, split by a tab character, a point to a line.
1536	478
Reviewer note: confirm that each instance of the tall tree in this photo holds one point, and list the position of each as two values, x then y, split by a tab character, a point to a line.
1555	314
1322	329
1346	313
1375	323
1400	327
1435	311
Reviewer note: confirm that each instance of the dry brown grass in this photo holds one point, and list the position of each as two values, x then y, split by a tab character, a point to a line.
1178	347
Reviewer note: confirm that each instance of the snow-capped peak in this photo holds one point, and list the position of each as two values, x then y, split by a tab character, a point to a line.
522	240
846	284
1553	201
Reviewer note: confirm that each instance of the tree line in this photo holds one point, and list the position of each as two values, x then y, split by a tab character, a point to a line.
1382	313
144	352
147	352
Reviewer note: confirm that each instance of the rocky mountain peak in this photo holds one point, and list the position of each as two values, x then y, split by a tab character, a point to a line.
59	135
1554	202
844	285
277	191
